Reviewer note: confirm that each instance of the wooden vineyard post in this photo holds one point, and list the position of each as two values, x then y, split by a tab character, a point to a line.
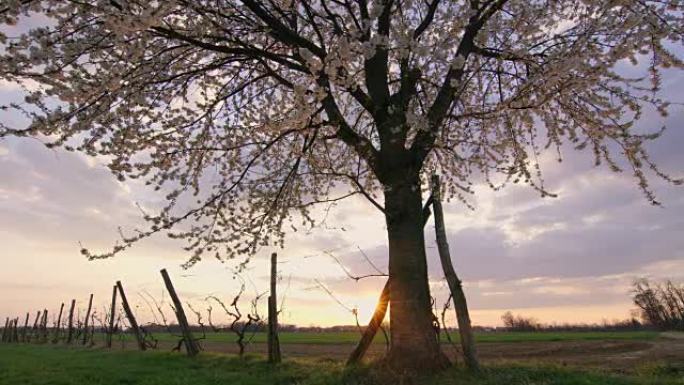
87	318
12	330
373	326
34	331
24	332
15	331
4	330
44	327
191	346
70	325
110	331
58	325
131	318
8	331
274	355
460	304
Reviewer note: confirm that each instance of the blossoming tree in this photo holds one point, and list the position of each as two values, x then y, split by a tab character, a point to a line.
259	110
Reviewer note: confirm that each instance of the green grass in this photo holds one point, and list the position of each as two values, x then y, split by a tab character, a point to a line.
56	365
353	337
564	336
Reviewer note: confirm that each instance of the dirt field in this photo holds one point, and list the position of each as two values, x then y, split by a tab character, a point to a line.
622	356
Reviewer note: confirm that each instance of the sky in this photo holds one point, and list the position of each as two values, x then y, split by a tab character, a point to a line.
569	259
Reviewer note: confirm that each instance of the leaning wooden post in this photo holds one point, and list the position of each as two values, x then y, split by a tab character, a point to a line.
58	325
131	318
87	318
274	355
110	331
34	331
25	331
191	346
373	326
460	305
15	334
44	327
8	333
11	330
70	324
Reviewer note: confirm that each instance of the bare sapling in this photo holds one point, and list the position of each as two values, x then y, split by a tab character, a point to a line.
239	326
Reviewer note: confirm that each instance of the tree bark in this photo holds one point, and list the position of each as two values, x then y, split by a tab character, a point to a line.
191	346
380	311
414	341
460	304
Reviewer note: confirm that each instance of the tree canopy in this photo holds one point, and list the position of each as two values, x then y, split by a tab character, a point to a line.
247	112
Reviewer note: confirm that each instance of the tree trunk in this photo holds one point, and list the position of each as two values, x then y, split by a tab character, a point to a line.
414	341
460	305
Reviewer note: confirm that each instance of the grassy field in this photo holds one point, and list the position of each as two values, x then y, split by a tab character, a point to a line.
335	338
55	365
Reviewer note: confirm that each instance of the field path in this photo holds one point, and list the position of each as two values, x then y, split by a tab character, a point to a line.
673	335
613	355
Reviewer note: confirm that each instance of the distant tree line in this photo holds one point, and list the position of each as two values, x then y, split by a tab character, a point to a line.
660	306
174	328
512	322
